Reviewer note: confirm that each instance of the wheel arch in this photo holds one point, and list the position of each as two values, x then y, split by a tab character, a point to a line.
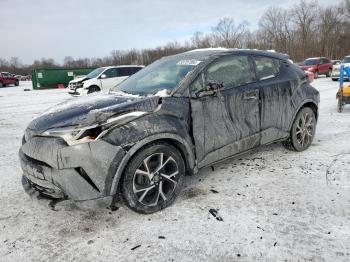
306	103
185	148
94	85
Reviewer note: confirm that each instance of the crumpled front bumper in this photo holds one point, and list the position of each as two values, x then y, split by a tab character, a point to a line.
79	172
78	91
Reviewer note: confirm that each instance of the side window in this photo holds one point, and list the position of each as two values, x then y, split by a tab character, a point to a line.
266	67
110	73
124	71
231	71
197	85
135	69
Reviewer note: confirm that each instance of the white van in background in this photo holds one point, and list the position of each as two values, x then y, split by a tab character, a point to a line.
101	79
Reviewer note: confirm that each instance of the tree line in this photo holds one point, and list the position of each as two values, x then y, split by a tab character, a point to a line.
303	30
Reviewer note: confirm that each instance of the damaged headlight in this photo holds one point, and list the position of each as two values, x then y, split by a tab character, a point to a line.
78	135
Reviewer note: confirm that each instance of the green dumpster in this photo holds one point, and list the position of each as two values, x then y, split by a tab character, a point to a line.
52	78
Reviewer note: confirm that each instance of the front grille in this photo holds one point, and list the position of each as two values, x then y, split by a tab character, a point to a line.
74	86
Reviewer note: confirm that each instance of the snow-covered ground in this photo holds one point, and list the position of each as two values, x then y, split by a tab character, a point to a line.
276	205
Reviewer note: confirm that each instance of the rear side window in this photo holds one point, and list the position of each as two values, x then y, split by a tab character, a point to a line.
325	61
124	71
135	69
231	71
266	67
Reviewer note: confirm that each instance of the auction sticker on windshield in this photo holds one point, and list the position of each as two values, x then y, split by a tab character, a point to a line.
188	62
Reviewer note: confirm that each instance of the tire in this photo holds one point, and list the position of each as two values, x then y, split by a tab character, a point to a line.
329	73
93	89
1	85
340	104
334	79
303	130
147	195
316	74
17	83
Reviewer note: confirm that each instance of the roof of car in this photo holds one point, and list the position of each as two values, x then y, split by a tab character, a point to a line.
315	57
118	66
206	53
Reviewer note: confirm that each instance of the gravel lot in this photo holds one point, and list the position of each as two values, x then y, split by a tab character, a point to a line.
275	205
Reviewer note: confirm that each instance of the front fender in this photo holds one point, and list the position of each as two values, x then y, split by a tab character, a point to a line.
188	148
171	121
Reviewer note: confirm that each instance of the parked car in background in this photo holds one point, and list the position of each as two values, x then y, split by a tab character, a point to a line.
26	78
336	68
174	117
336	62
101	79
8	79
318	66
310	76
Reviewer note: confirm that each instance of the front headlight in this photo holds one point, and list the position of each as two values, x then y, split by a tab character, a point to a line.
78	135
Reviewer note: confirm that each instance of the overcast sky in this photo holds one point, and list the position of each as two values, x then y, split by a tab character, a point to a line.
32	29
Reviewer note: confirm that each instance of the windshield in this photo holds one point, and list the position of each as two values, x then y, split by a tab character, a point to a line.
95	73
346	59
309	62
164	74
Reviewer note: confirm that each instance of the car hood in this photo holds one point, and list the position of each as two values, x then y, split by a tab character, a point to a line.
92	109
79	79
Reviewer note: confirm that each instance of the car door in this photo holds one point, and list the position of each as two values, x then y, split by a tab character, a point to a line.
123	73
327	65
225	122
275	84
6	78
108	79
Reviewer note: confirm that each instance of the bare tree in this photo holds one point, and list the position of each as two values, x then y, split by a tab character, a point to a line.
228	34
304	15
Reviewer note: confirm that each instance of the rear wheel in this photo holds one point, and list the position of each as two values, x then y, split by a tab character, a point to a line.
17	83
153	178
340	104
329	73
303	130
93	89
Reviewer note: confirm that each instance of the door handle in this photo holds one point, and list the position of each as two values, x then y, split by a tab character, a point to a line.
251	95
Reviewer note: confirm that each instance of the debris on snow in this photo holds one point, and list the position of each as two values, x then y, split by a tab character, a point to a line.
214	213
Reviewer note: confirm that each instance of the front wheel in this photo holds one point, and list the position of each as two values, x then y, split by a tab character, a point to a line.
153	178
93	89
16	83
303	130
329	73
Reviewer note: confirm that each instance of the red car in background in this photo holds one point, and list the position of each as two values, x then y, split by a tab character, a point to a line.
8	79
318	66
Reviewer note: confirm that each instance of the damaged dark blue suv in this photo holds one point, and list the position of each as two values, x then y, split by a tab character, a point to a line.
175	116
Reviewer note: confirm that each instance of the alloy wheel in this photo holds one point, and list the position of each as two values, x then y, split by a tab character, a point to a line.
156	179
305	129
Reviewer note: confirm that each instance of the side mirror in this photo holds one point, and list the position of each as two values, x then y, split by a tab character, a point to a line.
103	76
214	85
211	88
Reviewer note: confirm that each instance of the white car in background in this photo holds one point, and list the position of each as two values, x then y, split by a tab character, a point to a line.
336	68
101	79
